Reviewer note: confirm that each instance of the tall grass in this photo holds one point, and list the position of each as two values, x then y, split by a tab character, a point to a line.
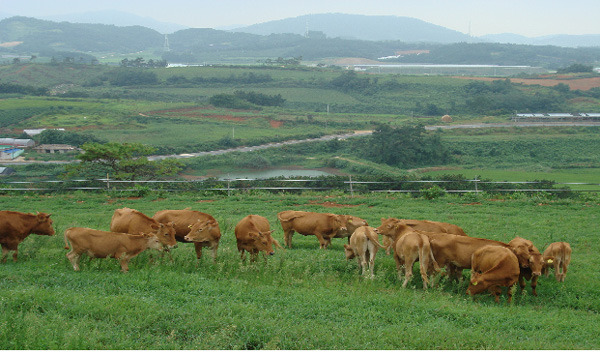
300	298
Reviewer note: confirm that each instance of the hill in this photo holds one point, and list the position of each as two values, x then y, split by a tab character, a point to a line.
39	36
370	28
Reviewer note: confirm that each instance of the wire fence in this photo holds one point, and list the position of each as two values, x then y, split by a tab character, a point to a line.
346	184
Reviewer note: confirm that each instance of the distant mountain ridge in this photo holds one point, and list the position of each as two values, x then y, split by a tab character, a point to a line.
362	27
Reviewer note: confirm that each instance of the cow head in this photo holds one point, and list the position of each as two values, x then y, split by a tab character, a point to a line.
477	283
202	231
166	234
43	225
349	252
153	241
263	241
352	223
536	263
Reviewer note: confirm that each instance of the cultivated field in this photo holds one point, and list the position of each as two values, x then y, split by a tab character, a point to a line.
300	298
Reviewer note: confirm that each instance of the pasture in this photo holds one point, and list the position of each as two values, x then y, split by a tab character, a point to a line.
300	298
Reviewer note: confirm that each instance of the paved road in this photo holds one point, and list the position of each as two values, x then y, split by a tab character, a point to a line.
349	135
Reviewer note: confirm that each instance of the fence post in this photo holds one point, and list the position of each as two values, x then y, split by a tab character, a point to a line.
228	188
475	180
351	189
107	183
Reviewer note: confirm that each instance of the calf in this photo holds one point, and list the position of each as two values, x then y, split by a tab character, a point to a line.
253	235
323	225
493	267
350	224
530	260
102	244
364	244
409	246
557	255
16	226
131	221
193	226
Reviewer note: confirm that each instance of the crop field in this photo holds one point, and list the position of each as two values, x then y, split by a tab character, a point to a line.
299	298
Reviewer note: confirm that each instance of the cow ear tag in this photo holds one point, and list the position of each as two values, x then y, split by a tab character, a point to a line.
550	261
475	283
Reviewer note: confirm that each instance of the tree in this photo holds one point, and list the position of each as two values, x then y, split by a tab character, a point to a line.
126	161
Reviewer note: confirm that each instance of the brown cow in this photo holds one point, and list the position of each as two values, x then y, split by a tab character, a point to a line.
131	221
364	244
425	225
16	226
323	225
531	262
193	226
351	223
253	235
493	267
409	245
102	244
557	255
454	251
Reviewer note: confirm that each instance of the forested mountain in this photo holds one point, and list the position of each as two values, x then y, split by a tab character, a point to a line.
371	28
39	35
22	36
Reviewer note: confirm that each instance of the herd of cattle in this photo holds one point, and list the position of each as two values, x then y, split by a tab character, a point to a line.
435	245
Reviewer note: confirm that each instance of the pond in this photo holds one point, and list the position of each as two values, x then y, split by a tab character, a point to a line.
274	173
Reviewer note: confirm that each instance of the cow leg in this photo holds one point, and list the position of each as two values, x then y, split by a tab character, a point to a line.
243	255
74	258
408	271
509	293
372	262
564	271
534	280
124	260
322	241
362	263
4	253
214	252
522	282
288	237
399	264
423	269
198	247
495	290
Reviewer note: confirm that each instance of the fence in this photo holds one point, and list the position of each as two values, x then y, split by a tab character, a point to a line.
297	185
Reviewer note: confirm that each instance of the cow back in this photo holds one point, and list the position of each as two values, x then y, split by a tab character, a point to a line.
184	219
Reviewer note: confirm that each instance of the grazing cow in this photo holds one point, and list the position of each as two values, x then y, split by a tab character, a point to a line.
351	223
557	255
424	225
409	245
454	251
323	225
193	226
531	262
102	244
131	221
493	267
364	244
16	226
253	235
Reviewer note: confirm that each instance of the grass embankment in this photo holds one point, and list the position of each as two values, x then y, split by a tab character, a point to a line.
301	298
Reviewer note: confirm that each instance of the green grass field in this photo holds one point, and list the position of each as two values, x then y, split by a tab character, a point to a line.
300	298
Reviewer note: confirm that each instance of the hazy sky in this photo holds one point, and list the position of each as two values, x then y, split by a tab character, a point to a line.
526	17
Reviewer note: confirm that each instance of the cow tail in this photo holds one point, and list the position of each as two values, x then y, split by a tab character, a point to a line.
66	241
436	266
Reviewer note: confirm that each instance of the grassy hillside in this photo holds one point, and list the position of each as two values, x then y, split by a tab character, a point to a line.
300	298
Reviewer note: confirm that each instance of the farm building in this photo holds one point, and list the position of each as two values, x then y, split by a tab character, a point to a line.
6	171
32	132
10	154
54	148
541	117
17	142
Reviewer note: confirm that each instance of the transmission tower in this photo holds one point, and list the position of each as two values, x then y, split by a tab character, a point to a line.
166	45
